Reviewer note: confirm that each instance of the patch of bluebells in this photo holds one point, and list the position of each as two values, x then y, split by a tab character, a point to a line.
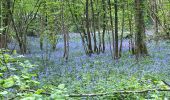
102	65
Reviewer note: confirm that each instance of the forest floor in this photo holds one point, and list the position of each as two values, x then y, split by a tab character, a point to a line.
82	73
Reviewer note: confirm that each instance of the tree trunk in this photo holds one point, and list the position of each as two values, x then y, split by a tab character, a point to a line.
123	19
104	25
23	45
90	51
156	21
98	29
65	35
2	41
1	27
140	46
116	54
42	32
1	16
111	22
94	28
5	20
131	40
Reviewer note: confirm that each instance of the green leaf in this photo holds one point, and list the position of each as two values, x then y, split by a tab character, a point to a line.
24	86
61	86
3	68
25	77
4	93
35	82
39	91
17	80
1	81
14	52
1	74
8	83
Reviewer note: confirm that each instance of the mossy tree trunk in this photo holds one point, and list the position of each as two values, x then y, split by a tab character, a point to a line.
5	7
140	46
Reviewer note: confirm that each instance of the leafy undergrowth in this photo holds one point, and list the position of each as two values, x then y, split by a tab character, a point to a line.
18	81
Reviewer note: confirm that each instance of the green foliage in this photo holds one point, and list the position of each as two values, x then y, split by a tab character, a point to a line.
17	81
125	84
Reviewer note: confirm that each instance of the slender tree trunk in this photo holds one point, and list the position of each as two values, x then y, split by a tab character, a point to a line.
116	53
42	32
44	22
140	46
111	22
6	20
22	44
99	34
104	25
67	44
94	28
87	27
155	12
98	29
123	22
131	43
130	24
65	35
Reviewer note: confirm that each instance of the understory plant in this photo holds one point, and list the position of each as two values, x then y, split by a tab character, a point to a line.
19	82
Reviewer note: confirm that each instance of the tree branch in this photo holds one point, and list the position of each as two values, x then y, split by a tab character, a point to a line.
118	92
105	94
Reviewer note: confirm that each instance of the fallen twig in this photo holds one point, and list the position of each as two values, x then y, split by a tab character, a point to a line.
111	93
104	94
118	92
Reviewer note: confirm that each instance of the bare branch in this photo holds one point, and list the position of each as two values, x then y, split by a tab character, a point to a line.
119	92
